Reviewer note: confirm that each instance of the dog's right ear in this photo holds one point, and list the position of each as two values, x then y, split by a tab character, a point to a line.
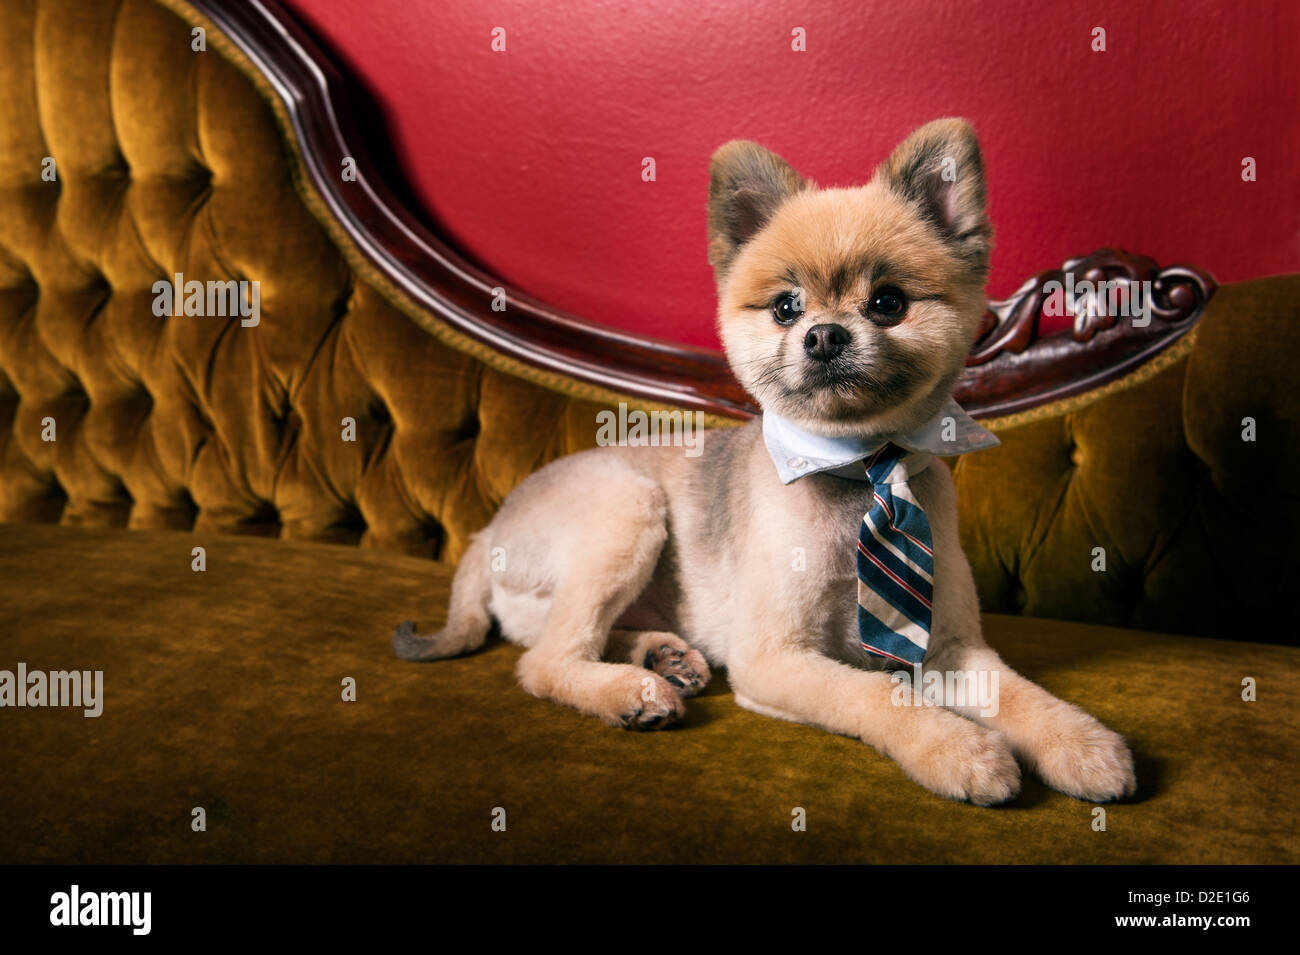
746	184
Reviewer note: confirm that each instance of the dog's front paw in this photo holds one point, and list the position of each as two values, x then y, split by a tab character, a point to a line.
1082	758
654	706
964	761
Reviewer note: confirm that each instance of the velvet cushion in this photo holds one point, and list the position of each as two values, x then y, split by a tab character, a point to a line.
223	690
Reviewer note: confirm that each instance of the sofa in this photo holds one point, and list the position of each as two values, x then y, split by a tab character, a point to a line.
228	520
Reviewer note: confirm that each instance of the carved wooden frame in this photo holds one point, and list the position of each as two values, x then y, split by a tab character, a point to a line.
1012	367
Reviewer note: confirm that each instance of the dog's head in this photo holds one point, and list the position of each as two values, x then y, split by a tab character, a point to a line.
851	311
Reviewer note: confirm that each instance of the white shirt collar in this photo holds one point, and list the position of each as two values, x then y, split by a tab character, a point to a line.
798	453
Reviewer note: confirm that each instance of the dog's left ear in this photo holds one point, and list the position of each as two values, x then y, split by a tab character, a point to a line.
938	169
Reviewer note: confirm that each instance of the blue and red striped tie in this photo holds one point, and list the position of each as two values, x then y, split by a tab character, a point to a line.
895	561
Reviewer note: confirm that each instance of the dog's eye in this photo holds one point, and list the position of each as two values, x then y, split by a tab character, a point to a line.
787	308
887	306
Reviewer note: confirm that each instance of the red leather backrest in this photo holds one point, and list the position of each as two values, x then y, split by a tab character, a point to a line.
532	157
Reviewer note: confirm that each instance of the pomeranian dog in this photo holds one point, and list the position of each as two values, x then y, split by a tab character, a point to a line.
847	314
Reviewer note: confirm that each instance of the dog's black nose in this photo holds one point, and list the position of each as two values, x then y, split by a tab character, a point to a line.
824	342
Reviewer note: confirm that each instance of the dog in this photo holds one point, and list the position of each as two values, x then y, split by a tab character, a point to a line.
627	572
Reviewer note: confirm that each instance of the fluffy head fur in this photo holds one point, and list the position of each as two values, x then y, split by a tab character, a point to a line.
918	227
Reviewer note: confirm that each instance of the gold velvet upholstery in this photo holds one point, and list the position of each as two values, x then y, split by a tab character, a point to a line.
224	686
223	690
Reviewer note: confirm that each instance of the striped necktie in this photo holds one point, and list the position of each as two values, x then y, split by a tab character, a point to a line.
895	560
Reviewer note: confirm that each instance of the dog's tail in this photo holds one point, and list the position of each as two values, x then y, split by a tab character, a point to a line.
468	620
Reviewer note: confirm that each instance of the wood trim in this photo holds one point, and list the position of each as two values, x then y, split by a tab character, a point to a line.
1012	367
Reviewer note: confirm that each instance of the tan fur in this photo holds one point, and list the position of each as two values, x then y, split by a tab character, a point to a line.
619	614
818	234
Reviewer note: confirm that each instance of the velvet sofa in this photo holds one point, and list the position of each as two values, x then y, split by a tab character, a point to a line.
228	520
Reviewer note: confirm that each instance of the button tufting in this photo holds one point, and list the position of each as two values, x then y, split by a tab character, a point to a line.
339	307
351	519
266	513
98	282
201	177
471	430
187	505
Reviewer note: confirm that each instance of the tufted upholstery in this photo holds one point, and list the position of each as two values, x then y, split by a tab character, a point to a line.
1196	522
169	161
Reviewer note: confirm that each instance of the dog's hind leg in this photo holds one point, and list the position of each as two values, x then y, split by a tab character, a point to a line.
596	580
